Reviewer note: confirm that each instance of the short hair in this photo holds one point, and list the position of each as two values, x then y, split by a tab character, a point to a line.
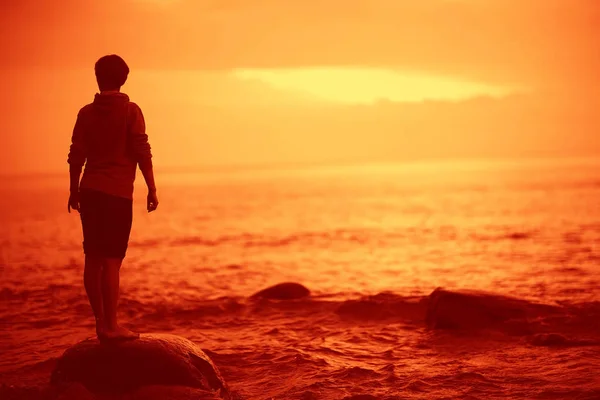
111	72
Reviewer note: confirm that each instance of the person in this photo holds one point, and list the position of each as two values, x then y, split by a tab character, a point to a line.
110	139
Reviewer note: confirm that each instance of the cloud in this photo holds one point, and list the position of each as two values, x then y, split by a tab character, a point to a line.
533	42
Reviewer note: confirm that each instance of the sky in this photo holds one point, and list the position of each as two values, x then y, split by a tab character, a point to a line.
234	82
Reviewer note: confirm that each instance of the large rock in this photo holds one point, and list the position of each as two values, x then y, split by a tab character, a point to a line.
153	359
283	291
479	310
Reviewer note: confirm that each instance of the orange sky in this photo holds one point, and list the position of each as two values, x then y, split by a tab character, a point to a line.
242	82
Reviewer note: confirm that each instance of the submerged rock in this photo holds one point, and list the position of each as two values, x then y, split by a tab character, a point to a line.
558	340
153	359
383	306
549	340
283	291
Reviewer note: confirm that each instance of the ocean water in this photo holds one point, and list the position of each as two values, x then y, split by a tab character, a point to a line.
371	242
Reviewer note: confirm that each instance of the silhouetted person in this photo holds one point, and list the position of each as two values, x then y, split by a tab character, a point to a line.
109	138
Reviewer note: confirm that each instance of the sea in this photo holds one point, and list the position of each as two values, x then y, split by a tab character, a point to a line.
372	243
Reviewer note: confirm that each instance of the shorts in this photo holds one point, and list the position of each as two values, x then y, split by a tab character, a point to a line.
106	221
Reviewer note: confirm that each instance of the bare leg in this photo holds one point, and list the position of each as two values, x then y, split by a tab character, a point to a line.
92	280
110	297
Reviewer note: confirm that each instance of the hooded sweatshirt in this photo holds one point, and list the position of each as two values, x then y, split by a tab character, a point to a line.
110	139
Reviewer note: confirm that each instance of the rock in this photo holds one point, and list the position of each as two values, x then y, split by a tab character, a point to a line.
172	393
74	391
11	392
153	359
476	310
283	291
309	395
558	340
549	340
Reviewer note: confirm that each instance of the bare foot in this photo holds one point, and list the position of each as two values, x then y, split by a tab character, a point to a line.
100	328
119	334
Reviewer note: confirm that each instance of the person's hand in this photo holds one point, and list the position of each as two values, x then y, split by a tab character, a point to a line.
73	201
152	202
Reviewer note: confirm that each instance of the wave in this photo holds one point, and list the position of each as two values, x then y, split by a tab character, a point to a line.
561	324
256	240
479	311
358	236
441	310
369	344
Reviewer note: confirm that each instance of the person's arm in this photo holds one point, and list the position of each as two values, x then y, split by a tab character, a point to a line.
76	160
143	154
75	174
148	173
